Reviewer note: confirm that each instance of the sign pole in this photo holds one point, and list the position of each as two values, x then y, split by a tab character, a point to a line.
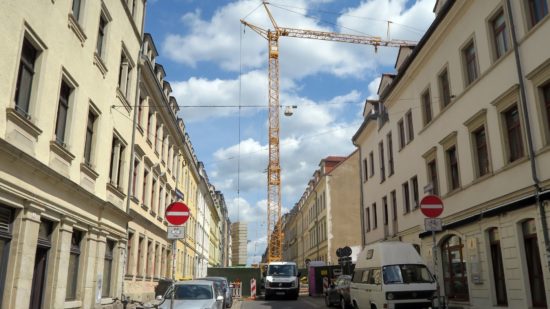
434	255
173	272
432	206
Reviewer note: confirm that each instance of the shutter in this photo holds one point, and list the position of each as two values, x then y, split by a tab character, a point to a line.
5	220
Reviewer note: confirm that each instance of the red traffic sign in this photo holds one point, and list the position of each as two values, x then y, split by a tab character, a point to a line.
177	213
431	206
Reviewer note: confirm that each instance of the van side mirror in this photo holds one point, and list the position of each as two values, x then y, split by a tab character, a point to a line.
219	298
299	274
159	297
264	274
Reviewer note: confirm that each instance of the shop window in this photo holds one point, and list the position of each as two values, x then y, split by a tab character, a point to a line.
455	274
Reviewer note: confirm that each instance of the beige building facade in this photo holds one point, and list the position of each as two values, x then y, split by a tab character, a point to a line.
327	216
67	88
239	244
467	117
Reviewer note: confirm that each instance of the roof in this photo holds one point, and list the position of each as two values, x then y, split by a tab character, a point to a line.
191	282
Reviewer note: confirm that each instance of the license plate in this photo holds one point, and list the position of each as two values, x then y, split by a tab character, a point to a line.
279	293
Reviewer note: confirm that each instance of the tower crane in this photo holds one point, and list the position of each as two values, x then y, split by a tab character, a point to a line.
274	224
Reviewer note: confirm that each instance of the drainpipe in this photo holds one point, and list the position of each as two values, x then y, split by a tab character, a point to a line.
123	298
532	158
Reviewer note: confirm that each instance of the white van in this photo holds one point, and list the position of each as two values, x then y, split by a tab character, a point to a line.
391	275
282	278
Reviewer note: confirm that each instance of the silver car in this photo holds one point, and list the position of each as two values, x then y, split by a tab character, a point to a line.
193	294
223	285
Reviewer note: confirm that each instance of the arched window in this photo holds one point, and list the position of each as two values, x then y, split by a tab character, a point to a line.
498	268
454	269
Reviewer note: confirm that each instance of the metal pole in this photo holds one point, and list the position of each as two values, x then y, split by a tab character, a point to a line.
434	256
173	273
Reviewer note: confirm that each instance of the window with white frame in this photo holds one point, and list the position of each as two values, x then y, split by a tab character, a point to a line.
118	147
499	34
65	94
25	77
469	55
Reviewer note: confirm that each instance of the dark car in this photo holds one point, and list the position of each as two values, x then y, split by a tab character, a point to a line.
222	284
338	293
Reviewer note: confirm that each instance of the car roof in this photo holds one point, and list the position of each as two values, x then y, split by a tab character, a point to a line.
191	282
213	278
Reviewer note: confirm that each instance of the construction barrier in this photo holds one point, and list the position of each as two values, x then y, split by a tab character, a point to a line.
237	289
325	284
253	288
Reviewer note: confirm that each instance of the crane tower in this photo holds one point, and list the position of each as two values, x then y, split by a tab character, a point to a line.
274	224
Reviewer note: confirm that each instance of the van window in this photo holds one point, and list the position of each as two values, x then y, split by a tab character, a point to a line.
375	276
366	276
357	276
406	273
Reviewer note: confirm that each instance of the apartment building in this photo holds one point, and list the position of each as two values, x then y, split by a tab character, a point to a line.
67	88
467	117
327	217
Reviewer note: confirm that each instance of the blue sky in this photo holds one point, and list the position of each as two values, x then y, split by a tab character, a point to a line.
211	60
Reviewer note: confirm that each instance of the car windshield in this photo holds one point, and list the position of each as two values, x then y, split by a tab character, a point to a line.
192	292
281	270
406	273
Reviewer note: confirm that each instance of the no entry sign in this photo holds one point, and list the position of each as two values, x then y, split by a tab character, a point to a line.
431	206
177	213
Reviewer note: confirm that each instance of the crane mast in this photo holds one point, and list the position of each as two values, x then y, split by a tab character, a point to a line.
274	224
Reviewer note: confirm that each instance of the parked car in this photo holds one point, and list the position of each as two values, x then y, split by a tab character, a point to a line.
391	274
193	294
223	285
338	293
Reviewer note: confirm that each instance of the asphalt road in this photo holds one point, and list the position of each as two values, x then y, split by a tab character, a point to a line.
303	302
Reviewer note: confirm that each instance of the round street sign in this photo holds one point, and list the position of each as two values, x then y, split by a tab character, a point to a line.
431	206
177	213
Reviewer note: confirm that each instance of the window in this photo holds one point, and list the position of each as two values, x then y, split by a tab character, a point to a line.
135	178
498	268
401	129
427	106
139	260
25	77
90	130
470	62
371	159
153	190
75	9
144	190
546	98
385	205
129	254
481	151
538	9
374	216
149	262
368	219
390	154
444	88
6	221
74	260
117	154
406	198
100	47
410	131
365	170
140	112
452	166
394	205
149	126
500	37
455	276
107	268
381	159
432	177
414	186
124	75
62	112
513	133
534	265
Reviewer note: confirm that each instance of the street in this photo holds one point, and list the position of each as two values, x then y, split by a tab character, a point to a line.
303	302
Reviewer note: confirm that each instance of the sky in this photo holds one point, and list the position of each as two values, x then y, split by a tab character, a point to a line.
216	65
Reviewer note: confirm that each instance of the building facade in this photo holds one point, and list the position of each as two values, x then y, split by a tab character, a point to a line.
467	117
327	216
239	238
68	83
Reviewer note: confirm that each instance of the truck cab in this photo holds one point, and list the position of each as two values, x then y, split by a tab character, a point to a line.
282	279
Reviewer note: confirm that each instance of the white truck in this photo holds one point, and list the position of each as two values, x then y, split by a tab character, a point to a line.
282	278
392	275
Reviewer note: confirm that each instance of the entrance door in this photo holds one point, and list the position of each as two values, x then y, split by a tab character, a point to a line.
534	266
498	268
39	277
